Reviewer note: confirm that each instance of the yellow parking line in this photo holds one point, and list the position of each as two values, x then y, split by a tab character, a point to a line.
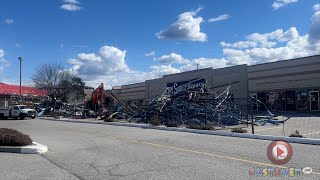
195	151
203	153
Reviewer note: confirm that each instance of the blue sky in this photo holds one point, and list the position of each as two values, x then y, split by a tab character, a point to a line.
121	41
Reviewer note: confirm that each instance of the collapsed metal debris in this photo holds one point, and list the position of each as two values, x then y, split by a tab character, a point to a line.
194	103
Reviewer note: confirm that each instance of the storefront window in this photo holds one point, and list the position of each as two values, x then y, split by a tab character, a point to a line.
314	100
302	101
270	100
290	100
280	101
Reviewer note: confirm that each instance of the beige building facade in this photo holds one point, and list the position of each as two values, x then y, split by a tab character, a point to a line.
288	85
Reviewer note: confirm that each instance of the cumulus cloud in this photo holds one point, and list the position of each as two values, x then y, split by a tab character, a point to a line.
220	18
314	34
266	40
3	62
150	54
161	70
71	5
281	3
172	58
295	46
9	21
109	60
187	27
316	7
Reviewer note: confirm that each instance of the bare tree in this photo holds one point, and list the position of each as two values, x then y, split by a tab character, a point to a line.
47	77
58	82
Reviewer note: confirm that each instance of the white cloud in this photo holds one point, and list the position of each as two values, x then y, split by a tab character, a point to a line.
150	54
266	40
161	70
109	60
70	7
204	63
289	35
18	45
187	27
220	18
281	3
316	7
3	62
240	44
314	33
89	57
9	21
296	46
172	58
1	53
71	1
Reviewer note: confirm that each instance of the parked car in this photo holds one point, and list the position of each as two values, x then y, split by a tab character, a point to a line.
17	111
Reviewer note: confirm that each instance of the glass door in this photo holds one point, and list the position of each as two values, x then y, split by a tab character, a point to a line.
314	100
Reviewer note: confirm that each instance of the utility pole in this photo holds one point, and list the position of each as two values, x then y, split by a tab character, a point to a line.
197	66
252	125
20	59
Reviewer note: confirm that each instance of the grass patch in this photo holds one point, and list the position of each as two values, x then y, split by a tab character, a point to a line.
239	130
11	137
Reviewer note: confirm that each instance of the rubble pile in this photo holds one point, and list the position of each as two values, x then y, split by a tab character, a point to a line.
194	105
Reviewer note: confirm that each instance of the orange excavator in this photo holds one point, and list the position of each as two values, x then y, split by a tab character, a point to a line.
99	97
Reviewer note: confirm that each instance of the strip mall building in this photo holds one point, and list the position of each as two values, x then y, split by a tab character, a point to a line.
10	94
288	85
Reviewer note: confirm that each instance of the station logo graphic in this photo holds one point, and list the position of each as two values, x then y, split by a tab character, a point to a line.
279	152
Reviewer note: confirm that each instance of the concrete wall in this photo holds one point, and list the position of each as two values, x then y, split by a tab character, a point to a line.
301	73
133	92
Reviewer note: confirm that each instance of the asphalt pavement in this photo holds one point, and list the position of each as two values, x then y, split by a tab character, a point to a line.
97	151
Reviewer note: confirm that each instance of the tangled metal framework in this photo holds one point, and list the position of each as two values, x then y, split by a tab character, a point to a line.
195	104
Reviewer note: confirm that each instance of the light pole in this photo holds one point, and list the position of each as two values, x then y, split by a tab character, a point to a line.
20	59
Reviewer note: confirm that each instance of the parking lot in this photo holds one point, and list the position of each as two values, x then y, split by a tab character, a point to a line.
307	125
97	151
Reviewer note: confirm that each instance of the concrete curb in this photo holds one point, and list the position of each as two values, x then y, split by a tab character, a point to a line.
35	148
208	132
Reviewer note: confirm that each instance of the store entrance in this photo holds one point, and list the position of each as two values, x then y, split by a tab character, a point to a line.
314	100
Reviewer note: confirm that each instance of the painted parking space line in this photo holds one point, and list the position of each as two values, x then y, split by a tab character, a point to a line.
181	149
210	154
